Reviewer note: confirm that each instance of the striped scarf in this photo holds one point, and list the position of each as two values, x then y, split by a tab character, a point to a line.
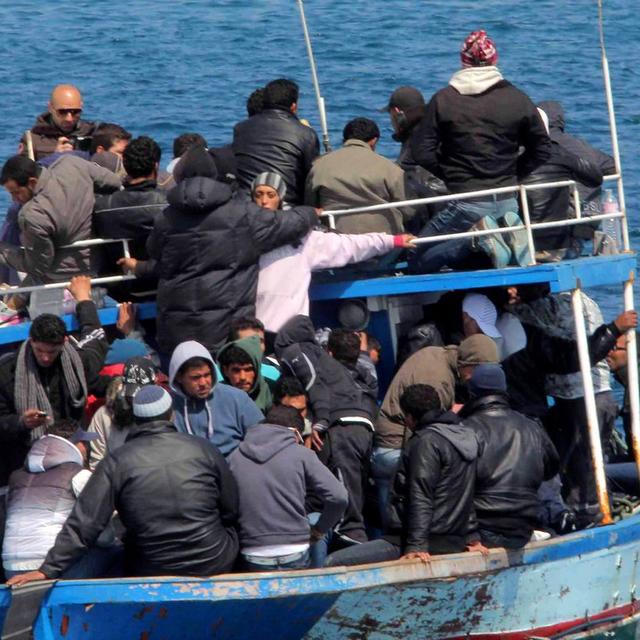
29	392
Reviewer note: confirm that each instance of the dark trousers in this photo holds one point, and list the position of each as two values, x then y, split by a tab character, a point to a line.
567	426
347	452
492	540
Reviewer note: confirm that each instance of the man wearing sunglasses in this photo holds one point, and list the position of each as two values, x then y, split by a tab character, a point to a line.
55	130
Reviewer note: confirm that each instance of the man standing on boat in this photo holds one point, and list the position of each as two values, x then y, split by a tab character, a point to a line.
275	140
55	129
471	137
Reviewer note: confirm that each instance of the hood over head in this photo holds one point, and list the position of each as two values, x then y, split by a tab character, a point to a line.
183	352
263	441
472	81
296	329
259	392
51	451
463	439
199	195
555	113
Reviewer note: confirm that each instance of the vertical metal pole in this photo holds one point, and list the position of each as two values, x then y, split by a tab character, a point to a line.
524	204
314	78
632	371
614	129
590	404
29	139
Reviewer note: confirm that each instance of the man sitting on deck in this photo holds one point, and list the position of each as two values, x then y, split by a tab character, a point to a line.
430	509
470	137
175	496
516	458
275	476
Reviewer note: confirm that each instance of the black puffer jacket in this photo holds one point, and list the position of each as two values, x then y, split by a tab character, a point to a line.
206	246
526	369
275	140
547	205
472	141
589	195
335	392
176	498
517	457
432	496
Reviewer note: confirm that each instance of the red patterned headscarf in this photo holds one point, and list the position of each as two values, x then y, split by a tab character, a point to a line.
478	50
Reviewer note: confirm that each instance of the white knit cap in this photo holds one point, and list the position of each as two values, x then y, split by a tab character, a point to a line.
481	309
151	401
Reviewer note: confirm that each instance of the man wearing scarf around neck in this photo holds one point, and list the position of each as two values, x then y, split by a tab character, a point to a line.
48	377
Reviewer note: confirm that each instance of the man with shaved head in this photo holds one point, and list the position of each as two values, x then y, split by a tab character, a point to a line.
55	129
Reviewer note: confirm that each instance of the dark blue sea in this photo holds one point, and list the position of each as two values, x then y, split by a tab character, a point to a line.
161	67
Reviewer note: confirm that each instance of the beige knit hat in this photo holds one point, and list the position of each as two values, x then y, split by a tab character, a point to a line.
477	349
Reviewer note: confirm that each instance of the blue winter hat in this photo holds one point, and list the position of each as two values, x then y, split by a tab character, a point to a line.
487	379
151	401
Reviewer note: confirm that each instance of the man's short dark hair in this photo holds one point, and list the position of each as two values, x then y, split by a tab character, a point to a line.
360	129
242	324
192	363
186	141
63	427
285	417
106	134
287	386
280	93
344	346
48	328
19	169
234	355
141	157
255	102
418	399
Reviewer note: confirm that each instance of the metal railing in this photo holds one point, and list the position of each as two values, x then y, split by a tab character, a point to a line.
520	190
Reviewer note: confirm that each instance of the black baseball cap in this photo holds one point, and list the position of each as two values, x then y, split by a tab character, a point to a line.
404	98
138	372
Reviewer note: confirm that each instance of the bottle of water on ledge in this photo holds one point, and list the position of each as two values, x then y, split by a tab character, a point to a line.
611	226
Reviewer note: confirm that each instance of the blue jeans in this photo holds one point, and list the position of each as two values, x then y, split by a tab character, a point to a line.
303	562
318	550
384	464
459	216
368	552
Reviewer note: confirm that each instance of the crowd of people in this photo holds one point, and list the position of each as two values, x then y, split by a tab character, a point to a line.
239	436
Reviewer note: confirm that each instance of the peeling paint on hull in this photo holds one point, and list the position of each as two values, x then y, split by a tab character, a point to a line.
548	588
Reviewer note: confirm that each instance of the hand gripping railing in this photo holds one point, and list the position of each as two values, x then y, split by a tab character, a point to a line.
93	242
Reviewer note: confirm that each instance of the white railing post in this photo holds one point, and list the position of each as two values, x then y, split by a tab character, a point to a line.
524	205
632	373
590	404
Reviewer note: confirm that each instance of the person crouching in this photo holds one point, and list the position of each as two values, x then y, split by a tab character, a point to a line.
274	475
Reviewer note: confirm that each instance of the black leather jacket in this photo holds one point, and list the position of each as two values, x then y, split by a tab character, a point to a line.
275	140
517	456
526	369
547	205
179	506
432	496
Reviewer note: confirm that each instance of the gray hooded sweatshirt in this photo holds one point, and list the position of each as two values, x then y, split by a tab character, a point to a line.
274	475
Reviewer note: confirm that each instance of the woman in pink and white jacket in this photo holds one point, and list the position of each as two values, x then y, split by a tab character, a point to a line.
285	273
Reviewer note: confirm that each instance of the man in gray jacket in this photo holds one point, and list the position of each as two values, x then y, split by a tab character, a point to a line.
274	476
57	204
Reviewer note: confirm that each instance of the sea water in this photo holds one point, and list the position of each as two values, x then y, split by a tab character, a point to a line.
161	67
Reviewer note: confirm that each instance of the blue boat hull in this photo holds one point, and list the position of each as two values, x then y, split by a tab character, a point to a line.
548	588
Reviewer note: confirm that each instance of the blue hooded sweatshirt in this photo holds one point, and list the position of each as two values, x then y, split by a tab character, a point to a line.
224	417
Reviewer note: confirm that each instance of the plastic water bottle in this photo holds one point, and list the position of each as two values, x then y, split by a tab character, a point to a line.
611	226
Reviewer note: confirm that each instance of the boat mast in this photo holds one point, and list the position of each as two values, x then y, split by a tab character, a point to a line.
632	348
316	84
